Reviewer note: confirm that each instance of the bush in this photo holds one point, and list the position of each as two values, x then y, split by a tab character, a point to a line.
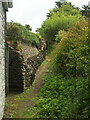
60	35
62	98
63	19
17	32
65	93
72	53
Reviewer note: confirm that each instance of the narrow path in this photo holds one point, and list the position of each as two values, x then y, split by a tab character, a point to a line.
28	101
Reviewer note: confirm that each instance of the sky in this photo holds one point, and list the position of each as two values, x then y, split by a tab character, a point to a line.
33	12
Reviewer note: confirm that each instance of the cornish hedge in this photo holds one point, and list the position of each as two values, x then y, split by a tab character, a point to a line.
65	94
18	32
72	52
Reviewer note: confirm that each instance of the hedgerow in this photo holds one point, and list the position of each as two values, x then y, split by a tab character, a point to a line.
72	52
65	93
18	32
63	19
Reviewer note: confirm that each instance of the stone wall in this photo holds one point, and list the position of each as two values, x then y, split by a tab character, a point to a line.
2	58
15	71
22	70
30	67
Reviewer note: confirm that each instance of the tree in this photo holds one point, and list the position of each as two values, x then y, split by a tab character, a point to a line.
60	18
85	7
58	5
28	27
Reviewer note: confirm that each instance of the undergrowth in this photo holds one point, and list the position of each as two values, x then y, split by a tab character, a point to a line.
65	93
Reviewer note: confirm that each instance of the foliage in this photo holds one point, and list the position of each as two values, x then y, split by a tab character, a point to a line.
65	93
60	35
63	98
85	10
85	7
62	19
58	7
38	36
28	27
17	32
71	54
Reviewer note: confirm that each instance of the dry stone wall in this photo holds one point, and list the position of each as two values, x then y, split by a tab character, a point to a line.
30	67
22	70
15	71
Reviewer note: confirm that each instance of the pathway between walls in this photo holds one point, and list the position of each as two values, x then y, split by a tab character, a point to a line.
18	104
28	102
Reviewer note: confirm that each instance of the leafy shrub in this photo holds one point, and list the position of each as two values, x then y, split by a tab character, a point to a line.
63	19
72	53
62	98
65	93
65	7
17	32
60	35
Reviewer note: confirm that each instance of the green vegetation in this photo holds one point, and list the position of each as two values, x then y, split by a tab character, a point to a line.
13	101
18	33
21	105
73	51
65	93
66	90
60	18
28	27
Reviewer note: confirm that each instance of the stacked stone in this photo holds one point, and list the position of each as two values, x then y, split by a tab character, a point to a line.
22	71
15	71
32	65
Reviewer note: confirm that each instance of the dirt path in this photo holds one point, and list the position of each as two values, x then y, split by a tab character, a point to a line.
28	101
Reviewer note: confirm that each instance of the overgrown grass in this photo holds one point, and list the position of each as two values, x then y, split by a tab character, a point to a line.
14	101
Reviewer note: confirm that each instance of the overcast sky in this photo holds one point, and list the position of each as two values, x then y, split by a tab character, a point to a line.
33	12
